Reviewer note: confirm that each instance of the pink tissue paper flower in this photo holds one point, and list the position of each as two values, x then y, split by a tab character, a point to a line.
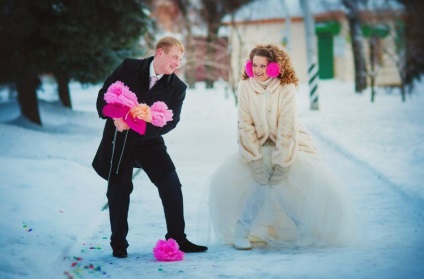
119	93
120	124
160	114
167	251
122	104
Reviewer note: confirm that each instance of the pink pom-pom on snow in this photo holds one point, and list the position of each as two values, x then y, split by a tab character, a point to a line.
119	93
160	114
167	251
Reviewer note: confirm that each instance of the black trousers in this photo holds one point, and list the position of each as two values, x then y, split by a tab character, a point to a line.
118	194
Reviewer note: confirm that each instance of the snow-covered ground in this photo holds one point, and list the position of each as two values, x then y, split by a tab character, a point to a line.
52	225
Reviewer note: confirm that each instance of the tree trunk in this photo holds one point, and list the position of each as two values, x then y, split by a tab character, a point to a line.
63	88
373	62
287	28
358	55
190	70
357	45
209	70
235	68
210	54
27	98
402	90
190	73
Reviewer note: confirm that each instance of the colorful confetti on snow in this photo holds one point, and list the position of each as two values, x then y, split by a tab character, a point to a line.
28	229
79	269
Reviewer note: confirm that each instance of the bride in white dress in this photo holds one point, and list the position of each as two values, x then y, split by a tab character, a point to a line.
276	189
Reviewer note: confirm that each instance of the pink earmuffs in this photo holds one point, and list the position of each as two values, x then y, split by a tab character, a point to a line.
272	70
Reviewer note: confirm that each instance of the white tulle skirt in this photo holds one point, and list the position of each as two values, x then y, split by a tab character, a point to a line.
309	207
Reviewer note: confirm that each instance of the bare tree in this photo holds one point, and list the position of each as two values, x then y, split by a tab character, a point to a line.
398	54
287	27
186	8
236	68
357	44
213	12
414	48
374	43
386	41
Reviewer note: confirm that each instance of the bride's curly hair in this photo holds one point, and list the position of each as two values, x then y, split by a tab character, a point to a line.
275	54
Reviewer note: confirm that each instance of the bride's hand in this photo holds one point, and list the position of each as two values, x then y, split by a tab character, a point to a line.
259	173
277	176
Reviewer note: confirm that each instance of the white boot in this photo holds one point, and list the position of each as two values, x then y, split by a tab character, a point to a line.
241	242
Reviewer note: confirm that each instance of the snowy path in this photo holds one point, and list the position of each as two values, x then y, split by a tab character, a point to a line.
393	223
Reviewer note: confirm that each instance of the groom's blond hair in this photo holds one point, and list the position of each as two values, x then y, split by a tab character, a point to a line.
166	43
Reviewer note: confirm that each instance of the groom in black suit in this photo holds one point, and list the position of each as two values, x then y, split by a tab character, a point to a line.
151	79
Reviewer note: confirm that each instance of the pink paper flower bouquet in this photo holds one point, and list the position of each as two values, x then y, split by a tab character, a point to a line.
123	107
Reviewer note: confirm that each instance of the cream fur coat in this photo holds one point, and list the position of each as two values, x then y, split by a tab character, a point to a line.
267	110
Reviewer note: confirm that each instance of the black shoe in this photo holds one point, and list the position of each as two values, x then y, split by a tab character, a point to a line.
120	253
188	247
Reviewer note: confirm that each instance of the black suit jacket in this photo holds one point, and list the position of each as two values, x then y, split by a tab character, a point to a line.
150	147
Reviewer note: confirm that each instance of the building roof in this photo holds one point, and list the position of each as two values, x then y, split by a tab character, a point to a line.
265	10
277	9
